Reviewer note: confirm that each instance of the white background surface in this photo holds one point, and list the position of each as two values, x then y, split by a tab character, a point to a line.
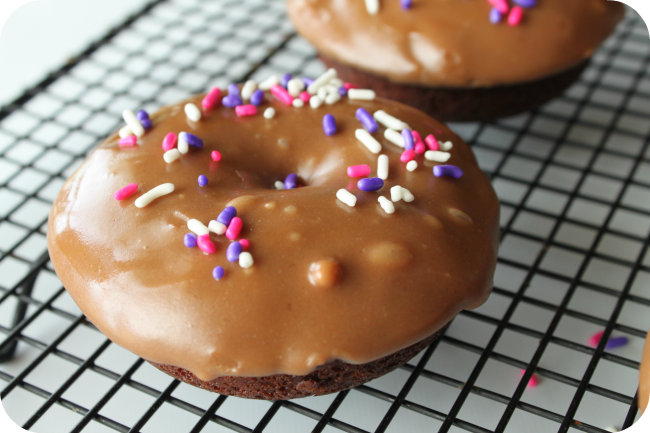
42	35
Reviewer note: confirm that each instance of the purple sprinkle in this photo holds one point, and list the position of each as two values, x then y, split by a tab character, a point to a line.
495	16
203	180
525	3
307	81
257	97
227	215
141	115
231	101
447	170
284	81
190	240
408	139
233	89
329	124
406	4
233	252
343	91
192	140
218	273
146	123
370	184
367	120
616	342
291	181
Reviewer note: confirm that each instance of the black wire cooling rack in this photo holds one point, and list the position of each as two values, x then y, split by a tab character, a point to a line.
574	182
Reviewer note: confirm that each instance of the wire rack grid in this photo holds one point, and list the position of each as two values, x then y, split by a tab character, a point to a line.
573	178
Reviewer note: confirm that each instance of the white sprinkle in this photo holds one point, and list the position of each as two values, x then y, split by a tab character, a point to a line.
411	165
159	191
171	155
315	101
245	260
362	94
368	140
298	103
346	197
372	6
321	81
216	227
183	146
269	82
197	227
279	184
322	93
407	196
330	89
336	81
396	193
386	204
389	121
437	156
394	137
125	131
446	146
133	123
382	167
332	98
249	87
295	86
269	113
192	112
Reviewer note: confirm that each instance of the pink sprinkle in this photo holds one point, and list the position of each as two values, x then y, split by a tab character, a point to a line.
234	228
245	243
131	140
500	5
349	86
305	97
595	339
169	141
515	16
216	155
533	382
126	192
407	155
212	99
432	143
205	244
419	144
282	94
246	110
359	170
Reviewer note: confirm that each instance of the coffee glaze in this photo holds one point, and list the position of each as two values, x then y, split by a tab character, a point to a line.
644	377
451	43
329	281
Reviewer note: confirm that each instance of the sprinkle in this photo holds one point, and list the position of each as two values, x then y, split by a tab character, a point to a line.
216	155
212	99
346	197
412	165
322	93
278	184
233	89
372	6
315	101
269	82
304	96
246	110
171	156
197	227
343	91
295	87
183	147
298	103
495	16
282	94
205	244
382	167
359	170
419	144
368	140
362	94
525	3
396	193
284	81
125	192
368	122
616	342
409	143
332	98
190	240
437	156
203	180
329	124
500	5
125	131
394	137
233	252
406	4
190	139
131	140
269	113
515	16
350	86
133	123
407	196
192	112
231	101
407	156
257	97
141	115
386	204
446	146
595	339
169	141
227	215
389	121
370	184
249	88
291	181
307	81
245	243
218	273
149	196
321	81
245	260
217	227
533	382
234	228
146	124
447	170
336	82
431	142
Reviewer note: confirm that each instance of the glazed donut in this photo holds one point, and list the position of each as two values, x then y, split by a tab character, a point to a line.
316	284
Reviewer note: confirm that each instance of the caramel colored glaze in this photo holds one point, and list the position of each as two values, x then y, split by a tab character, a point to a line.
403	276
644	377
451	43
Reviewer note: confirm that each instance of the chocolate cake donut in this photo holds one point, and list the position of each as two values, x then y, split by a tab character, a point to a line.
275	250
644	377
458	60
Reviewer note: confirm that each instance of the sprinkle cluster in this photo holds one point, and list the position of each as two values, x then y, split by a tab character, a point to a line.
514	14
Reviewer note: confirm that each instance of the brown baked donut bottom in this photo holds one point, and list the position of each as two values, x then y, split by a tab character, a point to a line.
449	104
332	377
